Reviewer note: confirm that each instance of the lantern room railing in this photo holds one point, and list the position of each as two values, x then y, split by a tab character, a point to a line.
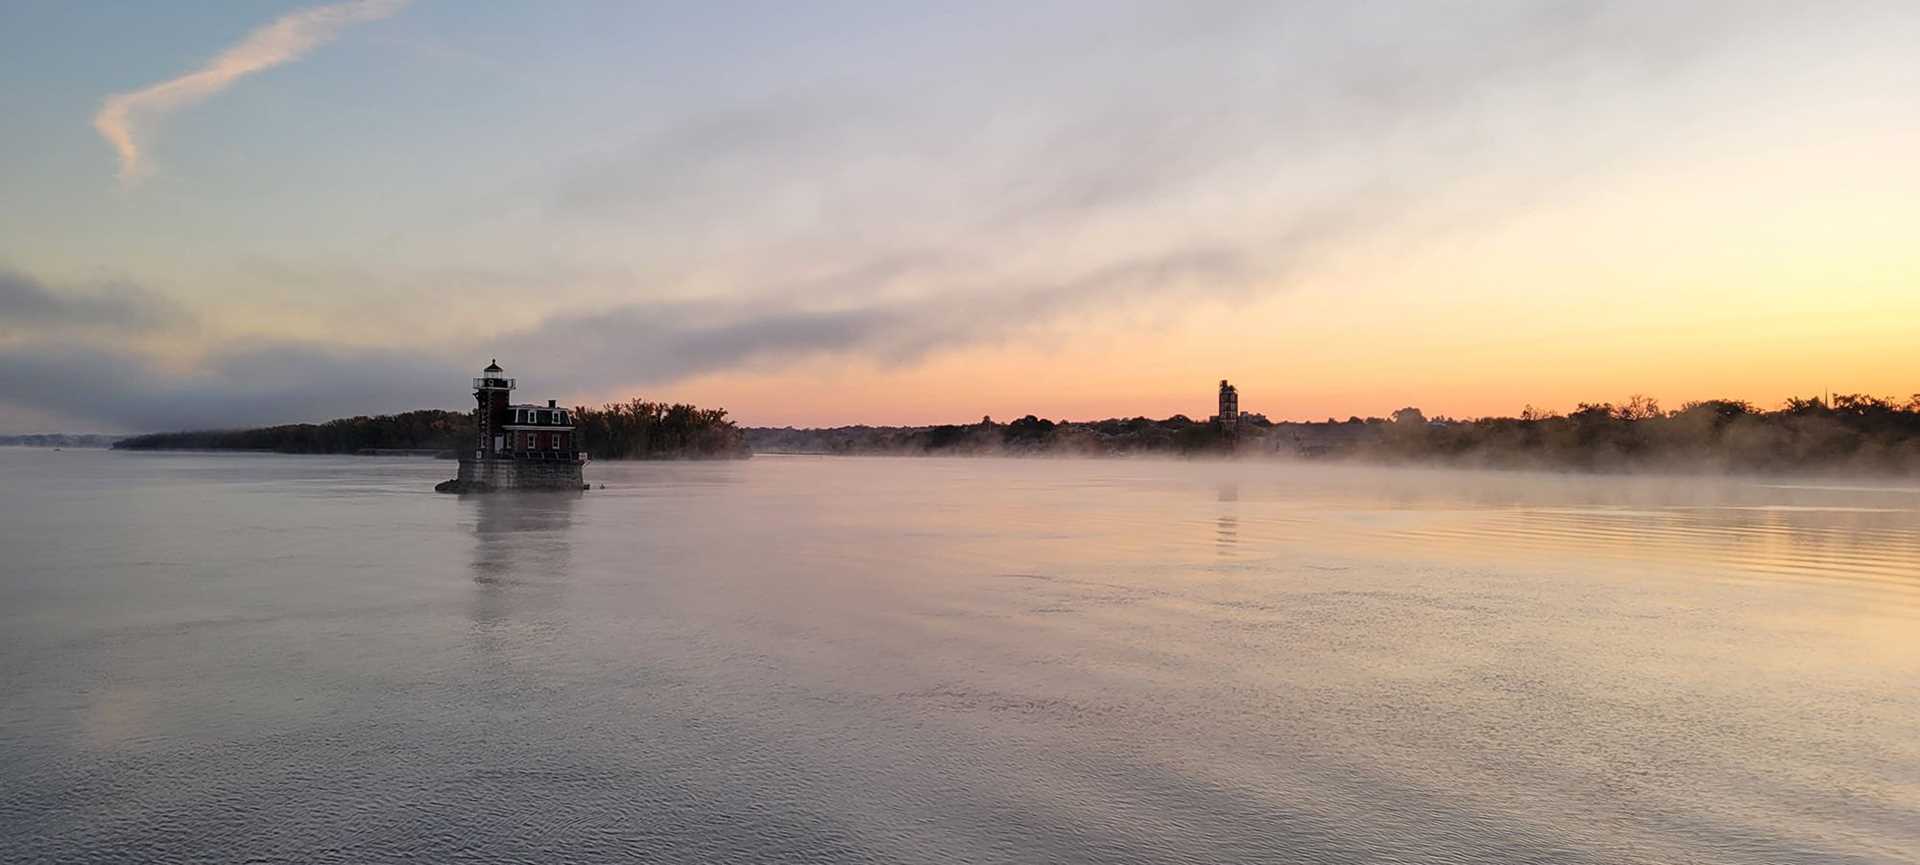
506	383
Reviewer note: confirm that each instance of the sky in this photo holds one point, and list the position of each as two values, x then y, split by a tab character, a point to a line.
232	213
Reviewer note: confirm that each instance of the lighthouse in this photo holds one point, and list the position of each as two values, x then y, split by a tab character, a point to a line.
1229	416
517	445
492	389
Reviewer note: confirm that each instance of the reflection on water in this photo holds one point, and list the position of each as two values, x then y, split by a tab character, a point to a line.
524	535
931	660
522	555
1226	532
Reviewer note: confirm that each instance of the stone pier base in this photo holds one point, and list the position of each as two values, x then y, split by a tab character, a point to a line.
485	476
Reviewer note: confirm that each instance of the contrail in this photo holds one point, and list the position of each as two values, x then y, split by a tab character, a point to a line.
285	39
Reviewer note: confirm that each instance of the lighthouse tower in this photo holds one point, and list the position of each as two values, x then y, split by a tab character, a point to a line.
1229	416
492	390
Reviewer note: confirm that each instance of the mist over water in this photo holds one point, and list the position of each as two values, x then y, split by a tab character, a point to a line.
798	659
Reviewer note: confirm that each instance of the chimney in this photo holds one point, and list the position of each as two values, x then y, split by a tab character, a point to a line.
550	403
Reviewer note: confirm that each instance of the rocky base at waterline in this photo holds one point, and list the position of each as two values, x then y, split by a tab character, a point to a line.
491	475
465	487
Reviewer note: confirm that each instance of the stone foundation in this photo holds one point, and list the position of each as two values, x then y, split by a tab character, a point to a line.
482	476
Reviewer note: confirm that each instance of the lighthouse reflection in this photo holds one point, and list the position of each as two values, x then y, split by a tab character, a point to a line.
521	556
1226	528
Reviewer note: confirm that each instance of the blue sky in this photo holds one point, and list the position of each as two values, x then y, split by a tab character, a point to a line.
837	213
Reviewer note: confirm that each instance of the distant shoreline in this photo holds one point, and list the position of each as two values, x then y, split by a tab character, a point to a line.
1848	434
60	440
636	429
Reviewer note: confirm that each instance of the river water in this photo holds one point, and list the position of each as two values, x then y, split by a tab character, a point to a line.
803	659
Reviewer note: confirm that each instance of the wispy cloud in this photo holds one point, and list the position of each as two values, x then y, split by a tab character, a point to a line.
104	380
244	384
285	40
28	305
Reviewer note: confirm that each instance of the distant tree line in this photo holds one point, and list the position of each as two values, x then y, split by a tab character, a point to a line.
636	429
59	440
428	429
1027	435
1852	432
